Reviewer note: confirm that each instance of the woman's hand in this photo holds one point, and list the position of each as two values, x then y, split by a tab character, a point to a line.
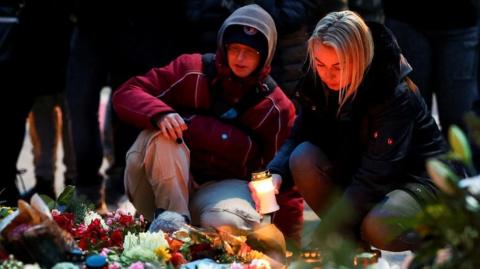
277	183
172	125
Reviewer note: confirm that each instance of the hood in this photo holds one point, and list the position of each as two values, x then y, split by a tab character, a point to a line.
254	16
388	65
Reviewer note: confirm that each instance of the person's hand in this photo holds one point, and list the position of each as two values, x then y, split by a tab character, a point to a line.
171	126
277	183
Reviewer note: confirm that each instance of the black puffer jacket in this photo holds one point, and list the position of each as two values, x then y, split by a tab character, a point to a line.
380	141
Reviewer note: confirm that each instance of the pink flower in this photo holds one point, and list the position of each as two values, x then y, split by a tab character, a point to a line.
114	265
136	265
105	252
122	211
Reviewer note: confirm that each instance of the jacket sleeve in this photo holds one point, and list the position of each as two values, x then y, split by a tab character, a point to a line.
274	123
138	100
280	163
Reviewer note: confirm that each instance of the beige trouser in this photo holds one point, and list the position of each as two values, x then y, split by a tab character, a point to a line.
157	175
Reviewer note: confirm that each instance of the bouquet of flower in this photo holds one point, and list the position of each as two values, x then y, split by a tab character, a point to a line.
121	237
96	232
30	233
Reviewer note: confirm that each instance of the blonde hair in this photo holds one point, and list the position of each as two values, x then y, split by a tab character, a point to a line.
347	33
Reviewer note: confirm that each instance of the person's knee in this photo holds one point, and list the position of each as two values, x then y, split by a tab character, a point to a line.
137	188
164	150
372	232
227	220
302	158
388	234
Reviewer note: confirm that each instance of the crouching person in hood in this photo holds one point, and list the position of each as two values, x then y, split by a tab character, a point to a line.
209	121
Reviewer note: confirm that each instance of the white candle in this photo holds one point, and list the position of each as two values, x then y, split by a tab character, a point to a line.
266	194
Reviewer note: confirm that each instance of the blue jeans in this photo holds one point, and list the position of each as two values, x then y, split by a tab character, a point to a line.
445	64
311	170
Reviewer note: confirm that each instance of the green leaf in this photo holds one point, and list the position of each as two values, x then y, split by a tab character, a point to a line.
443	177
67	195
48	201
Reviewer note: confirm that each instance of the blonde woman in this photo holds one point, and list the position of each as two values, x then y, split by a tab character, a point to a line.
363	132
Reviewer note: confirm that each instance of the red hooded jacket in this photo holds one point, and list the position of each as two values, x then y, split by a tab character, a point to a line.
219	149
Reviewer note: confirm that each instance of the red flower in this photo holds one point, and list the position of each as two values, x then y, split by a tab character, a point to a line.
65	221
116	238
94	237
126	220
83	243
177	259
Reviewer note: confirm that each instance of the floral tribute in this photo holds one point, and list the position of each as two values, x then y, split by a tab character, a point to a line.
96	232
124	241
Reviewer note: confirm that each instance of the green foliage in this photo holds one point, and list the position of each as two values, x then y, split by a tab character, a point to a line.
67	201
451	227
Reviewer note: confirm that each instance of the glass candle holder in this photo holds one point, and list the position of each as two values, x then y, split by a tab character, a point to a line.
263	184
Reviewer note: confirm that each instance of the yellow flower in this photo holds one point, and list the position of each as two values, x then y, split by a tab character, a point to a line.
163	254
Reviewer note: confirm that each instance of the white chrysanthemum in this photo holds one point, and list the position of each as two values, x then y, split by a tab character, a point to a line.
147	240
64	265
138	253
130	241
91	216
153	240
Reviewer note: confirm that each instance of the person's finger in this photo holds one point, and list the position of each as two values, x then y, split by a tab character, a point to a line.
163	131
277	182
177	129
255	198
181	122
171	131
183	126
